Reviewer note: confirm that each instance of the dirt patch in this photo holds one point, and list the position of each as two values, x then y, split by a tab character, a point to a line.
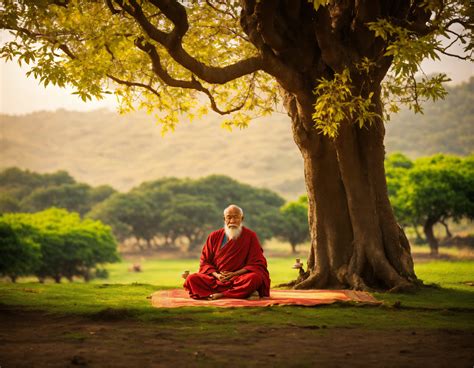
38	339
111	314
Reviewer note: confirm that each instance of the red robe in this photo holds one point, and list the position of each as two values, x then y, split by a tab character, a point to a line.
243	252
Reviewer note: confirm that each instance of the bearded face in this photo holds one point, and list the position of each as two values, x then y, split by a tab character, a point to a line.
233	232
233	222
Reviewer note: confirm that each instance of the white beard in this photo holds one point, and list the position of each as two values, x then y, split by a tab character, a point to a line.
233	232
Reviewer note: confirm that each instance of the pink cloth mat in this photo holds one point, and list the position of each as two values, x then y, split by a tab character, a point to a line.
180	298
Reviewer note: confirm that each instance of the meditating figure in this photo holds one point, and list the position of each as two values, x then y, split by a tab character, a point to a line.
232	263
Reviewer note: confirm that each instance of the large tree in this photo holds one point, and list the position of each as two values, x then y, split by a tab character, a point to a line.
325	60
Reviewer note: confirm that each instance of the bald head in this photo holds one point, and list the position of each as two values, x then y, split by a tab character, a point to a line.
233	208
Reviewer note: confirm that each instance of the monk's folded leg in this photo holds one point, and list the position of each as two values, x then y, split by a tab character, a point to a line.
200	285
244	285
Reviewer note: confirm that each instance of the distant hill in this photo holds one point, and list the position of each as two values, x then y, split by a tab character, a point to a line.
102	147
446	126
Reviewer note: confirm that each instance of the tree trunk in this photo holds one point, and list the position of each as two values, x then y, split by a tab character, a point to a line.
293	248
432	241
355	240
419	238
448	233
57	279
86	274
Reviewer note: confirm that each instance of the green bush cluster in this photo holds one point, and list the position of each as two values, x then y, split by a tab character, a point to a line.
54	243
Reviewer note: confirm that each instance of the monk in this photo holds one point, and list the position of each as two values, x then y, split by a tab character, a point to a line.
232	263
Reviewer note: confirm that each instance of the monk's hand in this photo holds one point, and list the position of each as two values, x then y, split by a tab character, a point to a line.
229	275
220	276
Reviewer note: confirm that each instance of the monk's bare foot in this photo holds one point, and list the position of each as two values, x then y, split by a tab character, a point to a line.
215	296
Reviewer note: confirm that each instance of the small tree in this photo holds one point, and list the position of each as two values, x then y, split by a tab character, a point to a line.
294	227
438	188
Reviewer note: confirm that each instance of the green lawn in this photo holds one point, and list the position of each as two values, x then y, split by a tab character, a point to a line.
448	304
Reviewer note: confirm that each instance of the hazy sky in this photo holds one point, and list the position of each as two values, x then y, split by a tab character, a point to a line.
20	95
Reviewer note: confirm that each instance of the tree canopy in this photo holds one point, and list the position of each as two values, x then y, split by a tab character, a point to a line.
159	55
431	190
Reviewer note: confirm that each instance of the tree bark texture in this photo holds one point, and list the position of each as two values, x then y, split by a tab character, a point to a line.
356	241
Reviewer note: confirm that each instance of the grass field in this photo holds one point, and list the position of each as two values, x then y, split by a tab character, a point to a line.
448	302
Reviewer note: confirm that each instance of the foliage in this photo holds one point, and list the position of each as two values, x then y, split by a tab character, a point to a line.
440	187
295	227
409	45
430	189
129	215
160	60
170	208
69	246
19	183
26	191
336	103
396	167
98	52
73	197
190	216
9	204
100	193
21	255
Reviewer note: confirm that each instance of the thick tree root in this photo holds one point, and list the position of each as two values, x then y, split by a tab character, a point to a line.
314	281
349	279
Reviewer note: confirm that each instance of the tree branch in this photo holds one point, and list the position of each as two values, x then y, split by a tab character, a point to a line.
172	43
151	51
218	10
443	51
134	84
110	5
332	51
34	35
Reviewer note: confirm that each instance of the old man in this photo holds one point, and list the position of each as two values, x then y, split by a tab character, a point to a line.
232	263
